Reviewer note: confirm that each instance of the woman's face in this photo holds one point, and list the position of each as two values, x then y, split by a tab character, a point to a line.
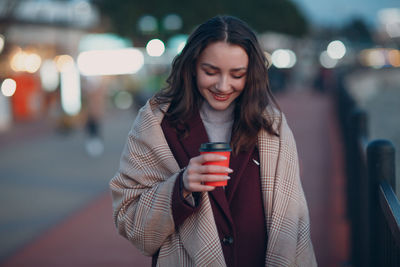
221	73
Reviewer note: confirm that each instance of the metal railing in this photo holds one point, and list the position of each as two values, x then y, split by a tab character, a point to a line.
372	205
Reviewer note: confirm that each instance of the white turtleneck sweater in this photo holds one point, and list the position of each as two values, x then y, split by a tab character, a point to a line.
218	123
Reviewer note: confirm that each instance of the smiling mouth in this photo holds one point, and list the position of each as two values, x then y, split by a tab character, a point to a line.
220	97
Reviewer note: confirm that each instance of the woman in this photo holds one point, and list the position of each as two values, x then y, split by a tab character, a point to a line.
217	91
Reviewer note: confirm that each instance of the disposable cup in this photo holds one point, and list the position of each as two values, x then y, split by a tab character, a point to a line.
219	148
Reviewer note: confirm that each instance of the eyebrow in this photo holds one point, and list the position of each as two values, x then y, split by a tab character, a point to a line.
216	68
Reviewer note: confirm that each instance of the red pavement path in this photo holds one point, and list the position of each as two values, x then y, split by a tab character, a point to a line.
88	238
315	127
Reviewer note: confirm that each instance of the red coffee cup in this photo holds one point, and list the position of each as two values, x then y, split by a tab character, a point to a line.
219	148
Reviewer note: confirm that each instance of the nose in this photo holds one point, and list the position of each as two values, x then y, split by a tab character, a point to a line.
223	84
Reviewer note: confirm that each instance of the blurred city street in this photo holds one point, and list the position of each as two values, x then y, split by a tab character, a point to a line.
47	176
73	74
59	208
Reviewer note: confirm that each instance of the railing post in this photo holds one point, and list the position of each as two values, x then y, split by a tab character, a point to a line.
358	125
381	166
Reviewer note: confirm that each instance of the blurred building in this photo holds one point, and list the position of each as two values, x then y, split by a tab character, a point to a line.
34	35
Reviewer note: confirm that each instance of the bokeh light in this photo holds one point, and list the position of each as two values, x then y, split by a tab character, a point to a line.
2	41
110	62
172	22
177	43
8	87
63	62
374	58
25	61
326	61
394	58
390	17
283	58
17	60
82	8
103	41
147	24
123	100
336	49
155	48
49	75
70	89
32	62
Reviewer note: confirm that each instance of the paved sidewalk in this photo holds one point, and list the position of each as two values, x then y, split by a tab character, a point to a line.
315	127
88	237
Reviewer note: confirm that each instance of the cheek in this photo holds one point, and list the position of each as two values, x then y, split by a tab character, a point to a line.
240	85
204	81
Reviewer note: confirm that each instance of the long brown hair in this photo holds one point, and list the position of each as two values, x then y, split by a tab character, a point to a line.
185	99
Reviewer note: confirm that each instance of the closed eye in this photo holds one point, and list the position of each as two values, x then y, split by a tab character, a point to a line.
238	76
210	73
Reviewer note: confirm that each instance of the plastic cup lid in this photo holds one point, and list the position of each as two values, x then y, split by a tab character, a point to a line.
216	146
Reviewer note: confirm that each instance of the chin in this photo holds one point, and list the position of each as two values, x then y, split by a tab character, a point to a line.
219	106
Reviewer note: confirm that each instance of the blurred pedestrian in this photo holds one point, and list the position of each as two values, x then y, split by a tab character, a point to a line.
95	91
217	92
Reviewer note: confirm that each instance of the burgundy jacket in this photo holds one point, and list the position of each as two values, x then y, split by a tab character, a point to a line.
238	210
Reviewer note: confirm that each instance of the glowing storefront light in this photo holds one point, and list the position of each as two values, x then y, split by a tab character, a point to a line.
110	62
63	62
2	41
326	61
49	75
380	57
24	61
8	87
17	61
103	41
155	48
394	58
70	89
32	62
374	58
336	49
283	58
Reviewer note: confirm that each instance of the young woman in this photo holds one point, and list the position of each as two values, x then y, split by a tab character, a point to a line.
217	91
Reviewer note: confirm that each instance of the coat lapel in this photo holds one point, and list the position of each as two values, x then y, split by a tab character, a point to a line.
239	164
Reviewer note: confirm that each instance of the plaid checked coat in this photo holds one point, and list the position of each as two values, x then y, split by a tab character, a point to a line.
142	195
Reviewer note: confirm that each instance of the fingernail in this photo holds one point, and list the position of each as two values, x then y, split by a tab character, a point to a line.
227	177
229	170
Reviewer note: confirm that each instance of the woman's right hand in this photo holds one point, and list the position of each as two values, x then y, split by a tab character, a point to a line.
196	174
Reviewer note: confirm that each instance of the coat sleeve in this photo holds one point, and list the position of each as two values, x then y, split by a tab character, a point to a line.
143	187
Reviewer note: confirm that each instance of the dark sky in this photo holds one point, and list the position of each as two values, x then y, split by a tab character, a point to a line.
338	12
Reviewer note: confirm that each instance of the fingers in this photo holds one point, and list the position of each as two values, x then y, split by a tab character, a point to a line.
207	157
198	183
194	180
198	173
213	169
196	164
